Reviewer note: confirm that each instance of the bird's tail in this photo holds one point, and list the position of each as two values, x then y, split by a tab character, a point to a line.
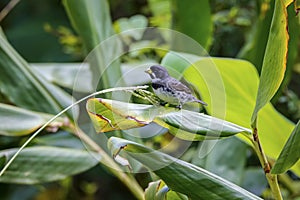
202	102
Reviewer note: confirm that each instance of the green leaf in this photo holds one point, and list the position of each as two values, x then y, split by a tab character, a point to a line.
17	121
43	164
108	115
227	155
228	86
181	176
151	190
156	191
67	75
274	62
194	19
290	154
92	21
24	87
255	47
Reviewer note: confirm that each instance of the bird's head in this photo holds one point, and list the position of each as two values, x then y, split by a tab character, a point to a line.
157	71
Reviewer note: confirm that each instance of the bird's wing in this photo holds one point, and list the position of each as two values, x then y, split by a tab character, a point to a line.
174	84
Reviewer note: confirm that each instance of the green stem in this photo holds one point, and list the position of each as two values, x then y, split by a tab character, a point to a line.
271	178
112	166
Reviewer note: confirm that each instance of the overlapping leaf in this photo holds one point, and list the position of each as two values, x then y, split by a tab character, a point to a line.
181	176
108	115
229	87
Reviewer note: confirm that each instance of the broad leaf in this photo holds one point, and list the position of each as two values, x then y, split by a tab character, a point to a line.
17	121
290	154
108	115
43	164
211	156
194	19
24	87
180	176
274	62
229	87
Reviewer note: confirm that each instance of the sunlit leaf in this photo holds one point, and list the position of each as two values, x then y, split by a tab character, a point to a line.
274	62
229	87
181	176
43	164
16	121
290	153
108	115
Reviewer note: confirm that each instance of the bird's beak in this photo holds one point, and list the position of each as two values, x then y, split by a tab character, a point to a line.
149	71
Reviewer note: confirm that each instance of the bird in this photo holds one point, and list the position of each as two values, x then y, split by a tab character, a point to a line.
169	89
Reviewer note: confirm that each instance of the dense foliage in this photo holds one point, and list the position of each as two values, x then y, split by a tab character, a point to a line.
123	144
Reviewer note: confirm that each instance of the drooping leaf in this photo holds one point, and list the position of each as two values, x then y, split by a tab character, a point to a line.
108	115
16	121
274	63
290	153
43	164
229	87
180	176
24	87
194	19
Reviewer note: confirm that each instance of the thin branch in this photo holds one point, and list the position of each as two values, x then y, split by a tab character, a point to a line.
8	8
112	166
60	113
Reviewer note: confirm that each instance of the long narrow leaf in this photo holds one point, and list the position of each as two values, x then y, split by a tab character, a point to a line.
43	164
109	115
274	63
181	176
92	21
290	154
17	121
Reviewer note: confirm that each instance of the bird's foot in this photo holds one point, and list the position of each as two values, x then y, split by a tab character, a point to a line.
179	106
162	103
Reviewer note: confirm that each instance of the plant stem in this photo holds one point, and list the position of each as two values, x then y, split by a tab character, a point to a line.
112	166
271	178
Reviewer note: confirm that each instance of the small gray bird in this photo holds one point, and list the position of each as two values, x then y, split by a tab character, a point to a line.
170	89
